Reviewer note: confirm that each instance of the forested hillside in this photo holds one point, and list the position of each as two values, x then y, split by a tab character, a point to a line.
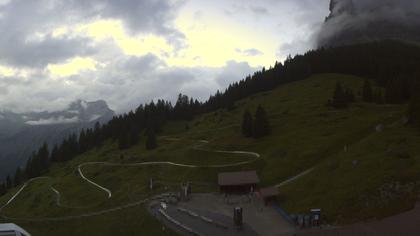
392	65
292	115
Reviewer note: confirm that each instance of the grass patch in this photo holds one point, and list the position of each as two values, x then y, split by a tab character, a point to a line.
305	133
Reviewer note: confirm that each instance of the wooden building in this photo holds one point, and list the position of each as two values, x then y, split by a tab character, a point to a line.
238	182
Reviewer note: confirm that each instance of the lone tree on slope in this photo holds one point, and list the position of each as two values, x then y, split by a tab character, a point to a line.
261	123
3	189
123	141
9	183
414	108
339	100
247	124
18	177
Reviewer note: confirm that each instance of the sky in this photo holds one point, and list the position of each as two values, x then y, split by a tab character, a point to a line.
128	52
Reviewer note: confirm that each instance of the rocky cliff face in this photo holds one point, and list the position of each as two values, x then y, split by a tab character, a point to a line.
20	134
78	112
356	21
339	7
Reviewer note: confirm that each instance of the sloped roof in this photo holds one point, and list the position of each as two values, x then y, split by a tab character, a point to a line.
238	178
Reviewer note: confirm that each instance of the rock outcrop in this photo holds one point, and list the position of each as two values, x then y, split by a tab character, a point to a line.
358	21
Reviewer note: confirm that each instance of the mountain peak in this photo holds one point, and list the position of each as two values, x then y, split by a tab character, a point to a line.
359	21
338	7
84	105
79	111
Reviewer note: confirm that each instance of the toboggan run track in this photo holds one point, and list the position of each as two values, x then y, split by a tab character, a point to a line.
255	156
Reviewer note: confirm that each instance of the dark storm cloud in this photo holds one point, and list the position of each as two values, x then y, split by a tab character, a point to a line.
138	15
23	21
41	53
301	22
141	15
365	20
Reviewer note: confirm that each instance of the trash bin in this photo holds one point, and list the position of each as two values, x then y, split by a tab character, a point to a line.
237	217
316	217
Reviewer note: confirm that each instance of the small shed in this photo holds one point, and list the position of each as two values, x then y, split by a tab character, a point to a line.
12	230
238	182
269	194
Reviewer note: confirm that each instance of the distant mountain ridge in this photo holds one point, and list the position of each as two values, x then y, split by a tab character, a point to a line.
21	134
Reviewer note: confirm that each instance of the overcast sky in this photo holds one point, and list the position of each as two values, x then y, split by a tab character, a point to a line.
129	52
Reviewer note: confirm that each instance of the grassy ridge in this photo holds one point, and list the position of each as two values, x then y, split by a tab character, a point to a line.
305	134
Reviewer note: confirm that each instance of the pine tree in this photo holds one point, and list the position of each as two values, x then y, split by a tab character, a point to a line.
151	142
133	136
29	168
123	141
34	166
18	177
3	189
43	157
247	124
261	123
9	183
73	146
82	141
339	100
55	155
367	93
97	134
414	107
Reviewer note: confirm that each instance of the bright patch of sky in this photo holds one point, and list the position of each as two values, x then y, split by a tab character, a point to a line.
131	52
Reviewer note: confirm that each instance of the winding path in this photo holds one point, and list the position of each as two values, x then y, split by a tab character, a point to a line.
19	191
255	156
294	177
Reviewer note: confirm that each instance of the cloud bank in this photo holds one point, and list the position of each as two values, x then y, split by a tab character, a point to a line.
355	21
53	52
128	52
53	121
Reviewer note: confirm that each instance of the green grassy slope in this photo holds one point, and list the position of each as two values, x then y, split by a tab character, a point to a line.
305	134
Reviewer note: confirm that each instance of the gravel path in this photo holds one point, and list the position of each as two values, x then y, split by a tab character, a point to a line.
255	156
294	177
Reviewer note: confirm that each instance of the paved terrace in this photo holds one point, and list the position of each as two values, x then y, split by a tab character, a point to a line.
265	221
404	224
